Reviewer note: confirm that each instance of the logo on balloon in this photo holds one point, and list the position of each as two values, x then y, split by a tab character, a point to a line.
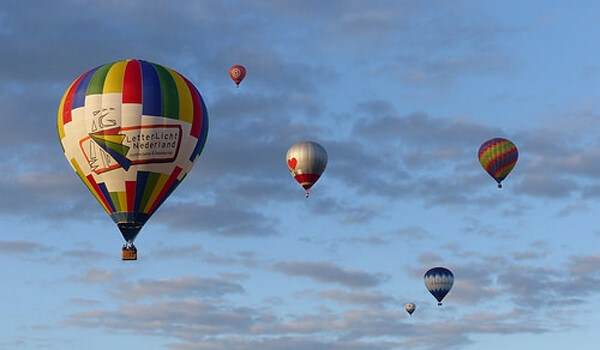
122	147
292	163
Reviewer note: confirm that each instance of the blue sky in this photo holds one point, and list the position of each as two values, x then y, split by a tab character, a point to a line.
400	93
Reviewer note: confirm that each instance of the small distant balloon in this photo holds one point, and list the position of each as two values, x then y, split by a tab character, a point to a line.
306	162
498	157
410	308
237	74
438	281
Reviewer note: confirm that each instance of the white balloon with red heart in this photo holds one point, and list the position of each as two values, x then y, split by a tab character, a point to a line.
306	162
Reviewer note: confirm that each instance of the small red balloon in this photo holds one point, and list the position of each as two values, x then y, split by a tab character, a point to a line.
237	74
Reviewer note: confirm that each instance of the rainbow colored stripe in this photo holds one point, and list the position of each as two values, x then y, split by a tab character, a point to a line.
498	157
142	196
161	92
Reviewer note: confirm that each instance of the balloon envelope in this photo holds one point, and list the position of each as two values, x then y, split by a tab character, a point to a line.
132	130
306	162
498	157
439	281
410	308
237	74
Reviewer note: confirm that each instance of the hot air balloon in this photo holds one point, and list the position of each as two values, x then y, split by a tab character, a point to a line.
438	281
132	130
237	74
410	308
498	157
306	161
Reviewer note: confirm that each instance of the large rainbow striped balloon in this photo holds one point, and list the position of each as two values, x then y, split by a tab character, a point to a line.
498	157
132	130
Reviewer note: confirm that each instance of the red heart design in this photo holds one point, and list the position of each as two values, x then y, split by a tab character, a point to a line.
292	163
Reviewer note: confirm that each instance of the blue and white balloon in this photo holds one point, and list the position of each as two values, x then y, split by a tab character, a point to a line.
439	281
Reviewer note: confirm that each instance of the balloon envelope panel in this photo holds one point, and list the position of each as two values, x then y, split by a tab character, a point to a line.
132	130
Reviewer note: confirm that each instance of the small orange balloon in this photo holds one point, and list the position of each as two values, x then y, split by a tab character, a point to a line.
237	74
